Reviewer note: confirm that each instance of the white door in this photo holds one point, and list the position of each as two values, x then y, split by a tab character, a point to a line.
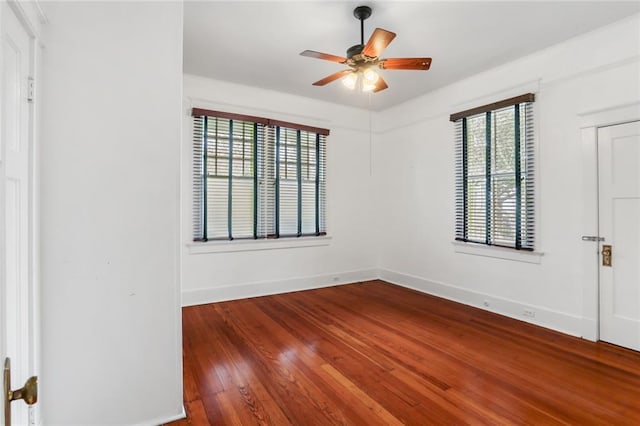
18	326
619	223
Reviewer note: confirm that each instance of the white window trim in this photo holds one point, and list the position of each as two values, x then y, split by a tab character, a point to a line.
226	246
498	252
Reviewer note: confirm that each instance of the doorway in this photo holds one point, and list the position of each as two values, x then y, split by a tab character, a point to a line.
618	148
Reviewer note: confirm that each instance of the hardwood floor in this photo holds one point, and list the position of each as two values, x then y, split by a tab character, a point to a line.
374	353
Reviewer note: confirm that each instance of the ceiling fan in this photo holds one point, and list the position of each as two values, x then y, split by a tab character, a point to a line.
364	59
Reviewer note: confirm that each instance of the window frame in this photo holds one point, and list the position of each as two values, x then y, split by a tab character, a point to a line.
265	140
523	139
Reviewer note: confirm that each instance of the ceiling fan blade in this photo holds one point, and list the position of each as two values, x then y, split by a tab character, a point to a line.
325	56
378	41
332	77
405	63
380	85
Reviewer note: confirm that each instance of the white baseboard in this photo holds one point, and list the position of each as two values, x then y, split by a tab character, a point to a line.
590	329
265	288
555	320
163	420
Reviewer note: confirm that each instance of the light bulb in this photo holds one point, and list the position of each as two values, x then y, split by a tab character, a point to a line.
368	86
350	80
370	75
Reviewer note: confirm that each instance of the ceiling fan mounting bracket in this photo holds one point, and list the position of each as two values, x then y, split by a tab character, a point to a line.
362	12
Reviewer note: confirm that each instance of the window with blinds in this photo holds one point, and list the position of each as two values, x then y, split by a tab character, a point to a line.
495	174
256	178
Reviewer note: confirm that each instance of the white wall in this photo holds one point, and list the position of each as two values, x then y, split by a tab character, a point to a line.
109	213
350	252
415	173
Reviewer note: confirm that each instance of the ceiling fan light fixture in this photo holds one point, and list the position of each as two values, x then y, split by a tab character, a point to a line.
370	76
368	86
350	80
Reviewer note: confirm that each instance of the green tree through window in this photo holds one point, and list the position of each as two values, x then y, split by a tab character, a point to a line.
494	174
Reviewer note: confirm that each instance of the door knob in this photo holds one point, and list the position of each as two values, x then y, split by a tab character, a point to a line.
606	255
28	393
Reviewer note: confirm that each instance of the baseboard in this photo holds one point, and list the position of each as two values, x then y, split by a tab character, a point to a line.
590	329
555	320
164	420
265	288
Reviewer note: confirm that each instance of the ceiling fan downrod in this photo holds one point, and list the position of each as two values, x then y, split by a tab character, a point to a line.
361	13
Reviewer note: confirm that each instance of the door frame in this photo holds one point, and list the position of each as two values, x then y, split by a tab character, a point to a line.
32	18
590	122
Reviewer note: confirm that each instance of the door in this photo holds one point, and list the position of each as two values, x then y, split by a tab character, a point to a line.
17	309
619	224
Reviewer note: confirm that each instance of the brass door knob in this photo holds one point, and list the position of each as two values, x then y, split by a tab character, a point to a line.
29	392
606	255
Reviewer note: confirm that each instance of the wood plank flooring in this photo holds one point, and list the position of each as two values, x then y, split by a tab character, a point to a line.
374	353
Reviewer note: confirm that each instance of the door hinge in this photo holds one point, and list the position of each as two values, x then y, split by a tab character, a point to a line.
31	89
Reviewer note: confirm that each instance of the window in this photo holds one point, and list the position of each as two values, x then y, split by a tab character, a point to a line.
495	174
256	178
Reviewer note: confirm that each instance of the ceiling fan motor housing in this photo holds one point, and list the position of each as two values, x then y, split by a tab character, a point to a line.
354	50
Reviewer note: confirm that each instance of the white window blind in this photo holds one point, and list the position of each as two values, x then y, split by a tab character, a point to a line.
256	178
495	174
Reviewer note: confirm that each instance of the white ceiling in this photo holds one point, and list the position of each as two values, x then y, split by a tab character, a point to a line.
258	43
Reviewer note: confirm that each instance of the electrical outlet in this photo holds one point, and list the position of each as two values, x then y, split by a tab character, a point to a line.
529	313
486	303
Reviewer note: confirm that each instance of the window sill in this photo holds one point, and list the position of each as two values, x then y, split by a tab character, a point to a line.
498	252
254	245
